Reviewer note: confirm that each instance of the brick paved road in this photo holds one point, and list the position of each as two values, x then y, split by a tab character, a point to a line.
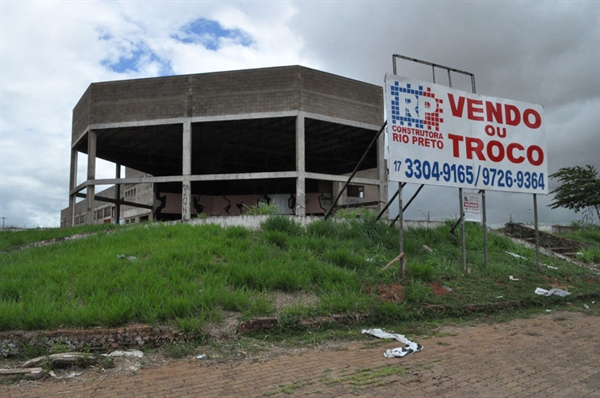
554	355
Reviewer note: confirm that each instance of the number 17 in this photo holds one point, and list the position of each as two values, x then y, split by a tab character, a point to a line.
397	164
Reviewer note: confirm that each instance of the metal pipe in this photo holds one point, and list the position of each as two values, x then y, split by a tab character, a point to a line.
118	195
409	202
462	230
537	235
394	56
389	203
401	217
485	240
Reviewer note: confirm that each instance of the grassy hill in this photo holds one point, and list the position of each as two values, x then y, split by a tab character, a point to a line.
185	275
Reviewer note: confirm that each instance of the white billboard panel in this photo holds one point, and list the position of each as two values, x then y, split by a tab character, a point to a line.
441	136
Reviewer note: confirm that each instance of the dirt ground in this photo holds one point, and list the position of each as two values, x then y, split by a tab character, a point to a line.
556	354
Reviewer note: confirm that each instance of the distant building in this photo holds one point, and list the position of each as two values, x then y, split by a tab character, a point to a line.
218	143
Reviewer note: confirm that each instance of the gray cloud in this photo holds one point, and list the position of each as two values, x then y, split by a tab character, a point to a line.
544	53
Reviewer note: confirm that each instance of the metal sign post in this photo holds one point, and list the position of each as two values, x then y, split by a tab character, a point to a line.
537	235
484	222
400	217
462	230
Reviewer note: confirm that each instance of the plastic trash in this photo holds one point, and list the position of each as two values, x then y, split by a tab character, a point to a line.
512	278
409	346
557	292
516	255
126	257
549	266
525	258
201	356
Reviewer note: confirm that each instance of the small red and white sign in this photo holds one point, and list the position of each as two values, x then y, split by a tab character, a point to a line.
472	207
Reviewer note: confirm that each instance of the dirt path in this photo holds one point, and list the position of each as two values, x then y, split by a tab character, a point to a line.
553	355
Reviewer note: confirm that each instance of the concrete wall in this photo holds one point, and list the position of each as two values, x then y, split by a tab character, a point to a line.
277	89
81	113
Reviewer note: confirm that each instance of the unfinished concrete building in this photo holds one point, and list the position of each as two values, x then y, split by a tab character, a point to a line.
218	143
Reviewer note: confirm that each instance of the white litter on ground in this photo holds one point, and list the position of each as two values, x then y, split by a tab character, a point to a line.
70	376
558	292
516	255
549	266
525	258
409	346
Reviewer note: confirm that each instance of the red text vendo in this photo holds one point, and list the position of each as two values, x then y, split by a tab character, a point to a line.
493	112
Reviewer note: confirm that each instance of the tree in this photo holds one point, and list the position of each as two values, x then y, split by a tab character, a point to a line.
579	189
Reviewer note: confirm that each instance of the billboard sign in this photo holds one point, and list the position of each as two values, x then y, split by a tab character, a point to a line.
441	136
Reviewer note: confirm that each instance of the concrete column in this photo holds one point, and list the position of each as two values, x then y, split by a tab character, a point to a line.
300	166
91	175
72	184
186	188
117	196
381	166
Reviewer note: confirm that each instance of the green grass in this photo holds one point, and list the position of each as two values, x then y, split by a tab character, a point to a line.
588	234
11	238
591	235
184	275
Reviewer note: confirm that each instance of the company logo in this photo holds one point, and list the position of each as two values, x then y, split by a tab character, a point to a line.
416	108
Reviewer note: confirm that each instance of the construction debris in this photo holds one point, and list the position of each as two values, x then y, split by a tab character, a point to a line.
28	374
61	360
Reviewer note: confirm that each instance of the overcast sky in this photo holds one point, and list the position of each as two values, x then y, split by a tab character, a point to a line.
545	53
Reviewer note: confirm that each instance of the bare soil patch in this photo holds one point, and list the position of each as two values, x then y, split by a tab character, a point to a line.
391	293
439	290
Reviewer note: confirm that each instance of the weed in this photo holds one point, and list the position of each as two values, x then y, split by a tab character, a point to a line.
344	258
189	325
590	256
416	291
58	347
178	350
34	349
277	238
322	228
366	377
289	322
262	209
282	224
423	272
106	363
